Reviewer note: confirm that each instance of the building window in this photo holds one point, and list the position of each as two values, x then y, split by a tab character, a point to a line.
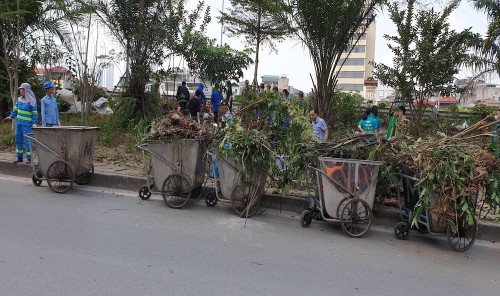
352	62
359	49
362	37
351	74
350	87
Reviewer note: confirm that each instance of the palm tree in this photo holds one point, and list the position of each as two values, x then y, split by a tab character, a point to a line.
488	61
328	29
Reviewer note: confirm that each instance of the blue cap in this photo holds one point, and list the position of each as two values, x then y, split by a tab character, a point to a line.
48	85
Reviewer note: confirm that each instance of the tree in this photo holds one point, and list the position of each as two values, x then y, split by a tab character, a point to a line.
258	21
210	62
18	20
488	60
427	55
328	29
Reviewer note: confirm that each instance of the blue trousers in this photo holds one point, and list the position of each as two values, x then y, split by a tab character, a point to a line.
22	129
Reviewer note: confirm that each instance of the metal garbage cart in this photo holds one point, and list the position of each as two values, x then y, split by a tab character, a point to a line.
346	191
178	169
244	192
65	155
460	237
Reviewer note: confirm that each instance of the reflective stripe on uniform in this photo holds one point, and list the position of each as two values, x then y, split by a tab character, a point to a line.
19	151
24	118
28	153
24	112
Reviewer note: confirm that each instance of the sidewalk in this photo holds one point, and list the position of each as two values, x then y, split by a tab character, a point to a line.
118	176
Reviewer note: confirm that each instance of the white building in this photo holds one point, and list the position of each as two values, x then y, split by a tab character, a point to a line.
356	70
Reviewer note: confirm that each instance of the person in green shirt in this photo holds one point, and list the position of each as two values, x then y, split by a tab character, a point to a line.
392	128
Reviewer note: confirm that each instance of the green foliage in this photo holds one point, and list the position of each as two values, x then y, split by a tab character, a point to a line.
258	22
488	50
345	107
211	62
481	111
427	54
386	182
267	126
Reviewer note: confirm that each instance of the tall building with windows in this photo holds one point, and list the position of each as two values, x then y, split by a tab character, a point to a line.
355	74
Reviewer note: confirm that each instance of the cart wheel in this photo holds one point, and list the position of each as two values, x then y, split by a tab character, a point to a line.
144	192
306	218
211	200
60	176
463	237
341	205
85	178
245	195
316	215
176	190
401	230
37	178
356	217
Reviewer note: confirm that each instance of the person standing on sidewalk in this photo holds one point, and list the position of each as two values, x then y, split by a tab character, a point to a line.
26	116
50	112
215	100
195	107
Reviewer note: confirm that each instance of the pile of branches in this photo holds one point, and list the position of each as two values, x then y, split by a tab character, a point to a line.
175	125
452	170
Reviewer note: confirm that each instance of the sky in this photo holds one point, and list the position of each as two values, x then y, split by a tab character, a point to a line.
294	61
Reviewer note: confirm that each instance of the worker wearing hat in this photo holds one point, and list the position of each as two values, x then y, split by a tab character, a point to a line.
50	112
26	115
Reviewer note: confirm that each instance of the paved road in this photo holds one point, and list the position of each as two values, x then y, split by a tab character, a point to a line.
94	242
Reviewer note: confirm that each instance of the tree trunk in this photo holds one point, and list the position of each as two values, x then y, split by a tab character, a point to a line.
257	49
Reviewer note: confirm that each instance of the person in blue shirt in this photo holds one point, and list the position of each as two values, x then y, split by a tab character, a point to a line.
215	100
50	112
319	127
376	121
26	116
367	125
201	88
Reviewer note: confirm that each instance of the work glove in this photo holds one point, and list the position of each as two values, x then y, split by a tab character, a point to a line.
6	120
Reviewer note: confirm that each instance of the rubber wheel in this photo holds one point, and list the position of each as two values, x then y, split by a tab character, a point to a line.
85	178
211	200
37	178
176	190
306	218
60	176
144	192
401	230
356	217
316	214
462	237
244	196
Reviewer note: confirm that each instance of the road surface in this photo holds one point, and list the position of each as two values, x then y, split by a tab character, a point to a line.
91	241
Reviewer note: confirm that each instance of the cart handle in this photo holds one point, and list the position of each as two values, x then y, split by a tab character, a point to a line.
408	177
31	138
331	180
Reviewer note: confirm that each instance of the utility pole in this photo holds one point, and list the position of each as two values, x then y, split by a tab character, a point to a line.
221	24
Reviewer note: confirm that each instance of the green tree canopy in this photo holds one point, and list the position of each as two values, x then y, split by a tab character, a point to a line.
427	54
258	22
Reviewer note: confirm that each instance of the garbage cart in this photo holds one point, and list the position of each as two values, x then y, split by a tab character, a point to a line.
460	234
65	154
235	185
346	191
178	169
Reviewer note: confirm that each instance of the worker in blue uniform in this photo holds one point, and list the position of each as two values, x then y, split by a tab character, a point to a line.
26	116
50	112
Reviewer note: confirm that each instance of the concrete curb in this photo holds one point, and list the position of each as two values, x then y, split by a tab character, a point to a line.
382	215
